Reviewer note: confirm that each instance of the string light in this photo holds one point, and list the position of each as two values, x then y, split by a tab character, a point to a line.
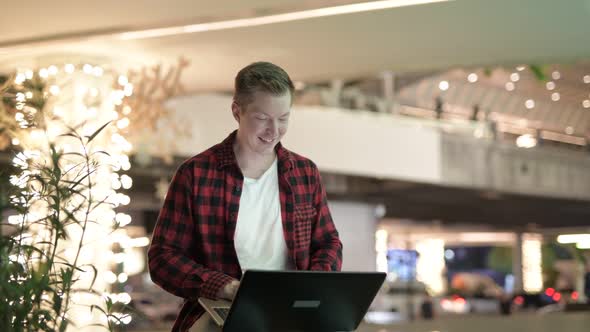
75	109
97	71
123	80
128	90
123	123
52	70
550	85
69	68
126	110
87	69
526	141
126	181
20	78
123	219
110	277
509	86
122	278
54	90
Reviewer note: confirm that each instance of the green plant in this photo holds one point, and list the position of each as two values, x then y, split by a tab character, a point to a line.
539	71
60	193
37	281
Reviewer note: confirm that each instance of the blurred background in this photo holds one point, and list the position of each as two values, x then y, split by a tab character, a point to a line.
453	138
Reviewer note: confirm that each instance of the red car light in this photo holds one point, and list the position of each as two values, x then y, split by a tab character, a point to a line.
460	300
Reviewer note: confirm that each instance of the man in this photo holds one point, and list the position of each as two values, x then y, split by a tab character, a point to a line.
246	203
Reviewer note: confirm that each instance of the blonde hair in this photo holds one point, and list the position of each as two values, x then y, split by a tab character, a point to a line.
261	76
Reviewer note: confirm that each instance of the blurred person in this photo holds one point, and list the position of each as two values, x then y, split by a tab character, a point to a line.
438	107
427	307
475	113
491	123
539	136
505	304
245	203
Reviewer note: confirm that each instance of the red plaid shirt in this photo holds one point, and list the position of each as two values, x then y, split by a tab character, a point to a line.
192	252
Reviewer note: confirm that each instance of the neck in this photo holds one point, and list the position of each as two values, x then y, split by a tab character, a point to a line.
249	160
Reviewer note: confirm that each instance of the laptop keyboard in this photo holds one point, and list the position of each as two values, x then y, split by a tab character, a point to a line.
222	312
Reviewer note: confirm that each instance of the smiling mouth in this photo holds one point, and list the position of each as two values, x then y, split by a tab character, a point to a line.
265	140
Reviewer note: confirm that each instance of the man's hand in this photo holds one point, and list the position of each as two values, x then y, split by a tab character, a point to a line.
229	291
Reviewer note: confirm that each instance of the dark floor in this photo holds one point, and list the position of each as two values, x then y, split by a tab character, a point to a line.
522	322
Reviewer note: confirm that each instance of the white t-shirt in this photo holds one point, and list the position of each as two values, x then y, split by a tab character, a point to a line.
258	239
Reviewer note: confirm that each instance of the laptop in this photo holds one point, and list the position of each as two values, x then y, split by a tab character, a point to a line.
292	301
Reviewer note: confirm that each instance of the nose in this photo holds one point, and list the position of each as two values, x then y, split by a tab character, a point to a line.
273	128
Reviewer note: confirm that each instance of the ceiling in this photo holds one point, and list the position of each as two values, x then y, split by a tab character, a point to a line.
569	113
414	38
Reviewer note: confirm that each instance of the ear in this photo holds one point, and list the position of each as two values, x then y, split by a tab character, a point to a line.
235	110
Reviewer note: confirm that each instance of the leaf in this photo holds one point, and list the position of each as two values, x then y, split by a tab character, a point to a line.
73	154
95	274
539	72
75	184
37	250
91	137
72	134
57	302
75	128
101	152
109	304
64	324
94	306
98	325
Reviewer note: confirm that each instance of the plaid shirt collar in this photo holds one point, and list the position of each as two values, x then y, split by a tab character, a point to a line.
225	155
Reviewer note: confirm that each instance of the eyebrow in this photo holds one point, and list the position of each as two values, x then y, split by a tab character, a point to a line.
264	113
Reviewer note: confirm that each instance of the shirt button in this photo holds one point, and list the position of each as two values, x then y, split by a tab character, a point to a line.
237	189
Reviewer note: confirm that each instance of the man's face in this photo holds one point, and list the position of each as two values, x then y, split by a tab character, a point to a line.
263	122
